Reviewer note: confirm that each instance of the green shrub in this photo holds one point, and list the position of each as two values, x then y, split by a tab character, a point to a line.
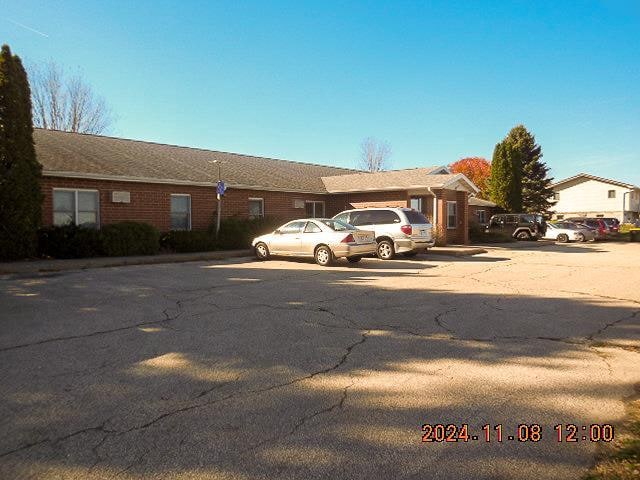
183	241
130	238
69	241
476	231
237	233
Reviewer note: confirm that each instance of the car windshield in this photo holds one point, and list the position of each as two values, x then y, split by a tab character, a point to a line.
567	225
338	225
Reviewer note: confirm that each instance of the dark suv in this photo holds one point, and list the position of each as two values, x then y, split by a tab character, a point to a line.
522	226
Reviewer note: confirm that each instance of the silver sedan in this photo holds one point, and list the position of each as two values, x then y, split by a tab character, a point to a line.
566	231
322	238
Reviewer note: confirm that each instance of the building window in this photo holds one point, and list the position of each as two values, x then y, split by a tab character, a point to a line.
611	194
452	214
180	212
416	203
75	207
482	216
256	207
559	217
314	209
556	195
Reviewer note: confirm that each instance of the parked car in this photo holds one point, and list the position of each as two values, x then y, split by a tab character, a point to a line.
521	226
613	224
565	232
324	239
397	230
596	224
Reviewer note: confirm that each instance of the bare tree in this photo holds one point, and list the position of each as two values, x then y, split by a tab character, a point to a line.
374	155
66	103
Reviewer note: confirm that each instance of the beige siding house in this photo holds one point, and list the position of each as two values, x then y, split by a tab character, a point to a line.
586	195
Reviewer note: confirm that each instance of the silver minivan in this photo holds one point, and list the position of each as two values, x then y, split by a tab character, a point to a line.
397	230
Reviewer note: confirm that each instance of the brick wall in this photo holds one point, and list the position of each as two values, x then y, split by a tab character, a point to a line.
459	234
151	203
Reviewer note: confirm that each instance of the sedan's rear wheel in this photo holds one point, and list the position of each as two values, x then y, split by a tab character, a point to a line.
581	238
262	251
324	256
386	251
563	238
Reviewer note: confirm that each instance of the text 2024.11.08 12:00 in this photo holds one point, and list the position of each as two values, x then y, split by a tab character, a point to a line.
524	432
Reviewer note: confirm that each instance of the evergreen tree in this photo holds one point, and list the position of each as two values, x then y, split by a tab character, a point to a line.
536	185
505	184
20	195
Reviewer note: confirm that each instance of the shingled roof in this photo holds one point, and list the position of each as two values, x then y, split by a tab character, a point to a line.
67	154
407	179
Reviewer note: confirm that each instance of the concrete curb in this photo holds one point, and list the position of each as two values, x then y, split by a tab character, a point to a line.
41	266
457	251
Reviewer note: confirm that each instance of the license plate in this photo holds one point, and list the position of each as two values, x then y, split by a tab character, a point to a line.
423	233
363	238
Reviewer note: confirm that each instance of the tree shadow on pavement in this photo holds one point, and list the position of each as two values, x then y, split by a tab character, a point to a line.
246	370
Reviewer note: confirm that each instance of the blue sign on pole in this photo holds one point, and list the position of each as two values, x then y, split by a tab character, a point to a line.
220	188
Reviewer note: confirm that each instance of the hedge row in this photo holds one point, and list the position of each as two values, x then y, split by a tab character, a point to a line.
115	240
134	238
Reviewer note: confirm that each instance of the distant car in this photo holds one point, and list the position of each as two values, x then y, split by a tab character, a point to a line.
564	232
613	224
397	230
324	239
598	226
521	226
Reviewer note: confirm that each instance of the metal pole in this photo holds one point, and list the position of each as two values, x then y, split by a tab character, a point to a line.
219	203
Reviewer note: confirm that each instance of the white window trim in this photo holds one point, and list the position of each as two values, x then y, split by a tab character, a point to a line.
609	192
484	214
261	200
456	216
181	195
324	207
75	202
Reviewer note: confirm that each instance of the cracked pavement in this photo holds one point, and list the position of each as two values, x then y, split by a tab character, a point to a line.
283	369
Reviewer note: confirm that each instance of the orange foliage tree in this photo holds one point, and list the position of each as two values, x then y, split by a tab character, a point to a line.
477	169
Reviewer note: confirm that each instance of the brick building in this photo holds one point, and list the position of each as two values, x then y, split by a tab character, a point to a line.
96	180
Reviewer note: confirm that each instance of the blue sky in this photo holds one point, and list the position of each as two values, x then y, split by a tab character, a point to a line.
307	81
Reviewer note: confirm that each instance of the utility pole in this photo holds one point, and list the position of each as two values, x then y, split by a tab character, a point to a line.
219	194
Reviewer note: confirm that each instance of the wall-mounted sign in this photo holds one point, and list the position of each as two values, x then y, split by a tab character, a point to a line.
121	197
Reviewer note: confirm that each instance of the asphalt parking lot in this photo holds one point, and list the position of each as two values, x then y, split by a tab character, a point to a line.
284	369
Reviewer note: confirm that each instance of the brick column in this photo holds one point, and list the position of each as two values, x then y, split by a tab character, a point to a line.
462	199
440	226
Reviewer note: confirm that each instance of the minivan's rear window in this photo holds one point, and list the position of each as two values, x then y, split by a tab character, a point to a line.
415	217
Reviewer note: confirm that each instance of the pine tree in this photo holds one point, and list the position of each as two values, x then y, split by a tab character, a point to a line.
505	184
536	185
20	195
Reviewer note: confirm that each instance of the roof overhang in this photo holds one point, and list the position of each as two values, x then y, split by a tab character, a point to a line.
164	181
586	176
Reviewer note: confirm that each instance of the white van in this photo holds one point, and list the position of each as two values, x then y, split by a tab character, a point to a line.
397	230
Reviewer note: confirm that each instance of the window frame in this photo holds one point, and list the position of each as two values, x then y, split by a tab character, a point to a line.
419	201
610	192
188	195
556	196
75	204
455	215
482	218
314	203
256	199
